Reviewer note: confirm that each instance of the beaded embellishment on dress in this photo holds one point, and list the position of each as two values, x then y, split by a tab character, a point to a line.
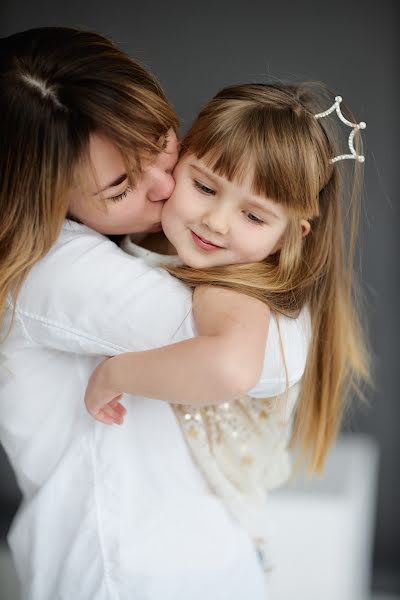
241	447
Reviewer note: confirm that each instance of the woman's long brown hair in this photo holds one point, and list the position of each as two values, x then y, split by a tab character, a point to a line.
273	129
57	87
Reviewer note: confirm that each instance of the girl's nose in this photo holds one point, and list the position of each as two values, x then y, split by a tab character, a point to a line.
217	221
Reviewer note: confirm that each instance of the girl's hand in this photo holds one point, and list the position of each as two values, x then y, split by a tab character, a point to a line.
101	401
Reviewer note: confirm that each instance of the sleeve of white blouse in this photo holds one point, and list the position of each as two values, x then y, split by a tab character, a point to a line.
89	297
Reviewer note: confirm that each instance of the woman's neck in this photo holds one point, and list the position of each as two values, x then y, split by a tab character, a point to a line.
158	242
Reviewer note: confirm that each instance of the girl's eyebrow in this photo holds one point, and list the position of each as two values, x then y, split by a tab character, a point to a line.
252	200
260	204
120	179
206	172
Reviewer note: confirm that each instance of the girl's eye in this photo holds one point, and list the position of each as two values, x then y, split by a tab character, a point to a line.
203	188
254	219
121	196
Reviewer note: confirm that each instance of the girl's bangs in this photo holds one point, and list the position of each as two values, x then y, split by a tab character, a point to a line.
274	147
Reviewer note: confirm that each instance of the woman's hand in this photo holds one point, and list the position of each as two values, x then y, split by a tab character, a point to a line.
101	401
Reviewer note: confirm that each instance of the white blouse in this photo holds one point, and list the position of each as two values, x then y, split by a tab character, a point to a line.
113	512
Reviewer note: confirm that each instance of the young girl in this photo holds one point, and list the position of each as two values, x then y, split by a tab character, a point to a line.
87	150
257	208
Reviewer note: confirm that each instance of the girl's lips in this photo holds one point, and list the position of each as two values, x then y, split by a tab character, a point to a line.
203	244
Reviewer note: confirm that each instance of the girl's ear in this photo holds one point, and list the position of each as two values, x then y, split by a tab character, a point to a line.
305	230
305	227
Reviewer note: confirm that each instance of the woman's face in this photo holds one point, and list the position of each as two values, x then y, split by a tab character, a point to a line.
129	209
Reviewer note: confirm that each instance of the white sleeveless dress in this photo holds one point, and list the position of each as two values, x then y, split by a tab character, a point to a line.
240	447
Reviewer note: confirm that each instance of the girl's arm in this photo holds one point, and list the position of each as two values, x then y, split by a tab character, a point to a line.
223	363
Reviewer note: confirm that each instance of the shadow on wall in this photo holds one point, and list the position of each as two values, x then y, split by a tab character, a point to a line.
10	495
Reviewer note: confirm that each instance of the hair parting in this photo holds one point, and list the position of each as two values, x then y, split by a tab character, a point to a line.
57	87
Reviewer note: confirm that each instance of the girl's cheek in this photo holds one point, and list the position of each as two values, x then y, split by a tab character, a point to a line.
176	208
168	216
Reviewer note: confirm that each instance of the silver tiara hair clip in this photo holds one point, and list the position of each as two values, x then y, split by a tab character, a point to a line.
355	128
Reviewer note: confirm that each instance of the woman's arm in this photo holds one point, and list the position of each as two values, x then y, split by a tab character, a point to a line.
87	296
222	363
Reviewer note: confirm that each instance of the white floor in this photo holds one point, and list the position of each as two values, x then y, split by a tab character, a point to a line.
9	586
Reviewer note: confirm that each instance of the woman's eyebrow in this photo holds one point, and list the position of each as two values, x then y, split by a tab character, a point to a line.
120	179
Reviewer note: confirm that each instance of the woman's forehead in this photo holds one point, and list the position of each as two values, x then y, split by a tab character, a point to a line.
105	167
106	161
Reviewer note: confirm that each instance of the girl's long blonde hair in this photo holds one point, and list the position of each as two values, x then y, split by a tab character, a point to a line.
273	129
57	87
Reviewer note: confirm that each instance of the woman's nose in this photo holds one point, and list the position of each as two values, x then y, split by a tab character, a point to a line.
161	185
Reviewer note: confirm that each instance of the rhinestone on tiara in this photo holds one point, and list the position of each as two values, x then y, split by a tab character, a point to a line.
355	128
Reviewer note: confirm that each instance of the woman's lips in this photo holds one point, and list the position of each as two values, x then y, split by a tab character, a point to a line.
157	227
204	244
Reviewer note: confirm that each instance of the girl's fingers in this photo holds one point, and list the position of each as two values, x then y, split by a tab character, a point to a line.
120	409
115	402
116	399
112	413
104	418
116	405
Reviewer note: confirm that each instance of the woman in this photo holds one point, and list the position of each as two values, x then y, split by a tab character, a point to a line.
79	119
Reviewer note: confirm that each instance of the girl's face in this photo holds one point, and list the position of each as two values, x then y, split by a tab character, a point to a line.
213	222
129	209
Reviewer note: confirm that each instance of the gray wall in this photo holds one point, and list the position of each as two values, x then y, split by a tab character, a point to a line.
196	48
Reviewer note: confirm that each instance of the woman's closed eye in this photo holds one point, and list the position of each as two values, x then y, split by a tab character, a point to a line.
204	189
122	195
